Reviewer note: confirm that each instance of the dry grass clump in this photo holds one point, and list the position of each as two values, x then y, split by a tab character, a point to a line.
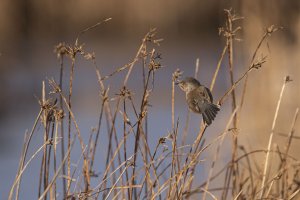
134	170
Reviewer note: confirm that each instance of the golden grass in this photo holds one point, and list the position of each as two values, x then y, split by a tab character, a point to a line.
135	170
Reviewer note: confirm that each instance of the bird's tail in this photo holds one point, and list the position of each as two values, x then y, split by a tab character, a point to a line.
210	112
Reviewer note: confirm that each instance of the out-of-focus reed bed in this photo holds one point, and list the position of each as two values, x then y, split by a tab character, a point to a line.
133	168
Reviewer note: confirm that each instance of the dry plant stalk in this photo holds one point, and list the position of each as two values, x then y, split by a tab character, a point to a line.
132	168
262	188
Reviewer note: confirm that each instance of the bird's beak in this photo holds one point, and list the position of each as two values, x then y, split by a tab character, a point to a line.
177	82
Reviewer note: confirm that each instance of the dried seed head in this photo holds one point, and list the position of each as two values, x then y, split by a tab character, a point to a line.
177	74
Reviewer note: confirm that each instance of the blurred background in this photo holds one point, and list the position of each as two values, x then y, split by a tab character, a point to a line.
30	29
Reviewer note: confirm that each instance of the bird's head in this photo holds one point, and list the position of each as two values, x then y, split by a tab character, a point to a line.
188	84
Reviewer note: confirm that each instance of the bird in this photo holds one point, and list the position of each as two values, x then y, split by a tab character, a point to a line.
199	99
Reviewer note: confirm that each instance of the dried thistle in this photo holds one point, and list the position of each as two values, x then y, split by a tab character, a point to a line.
176	75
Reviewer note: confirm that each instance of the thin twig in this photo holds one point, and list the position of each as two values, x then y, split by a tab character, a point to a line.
25	153
285	81
218	151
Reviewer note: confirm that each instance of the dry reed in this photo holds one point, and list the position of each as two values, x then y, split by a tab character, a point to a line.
134	170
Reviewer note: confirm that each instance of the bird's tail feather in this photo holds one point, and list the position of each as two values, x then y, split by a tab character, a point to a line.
210	113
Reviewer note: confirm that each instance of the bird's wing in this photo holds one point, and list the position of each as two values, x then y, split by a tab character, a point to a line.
197	99
200	101
208	95
204	94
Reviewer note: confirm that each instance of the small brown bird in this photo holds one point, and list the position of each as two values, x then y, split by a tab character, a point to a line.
199	99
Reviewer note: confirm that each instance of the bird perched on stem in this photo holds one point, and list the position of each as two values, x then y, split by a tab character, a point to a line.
199	99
